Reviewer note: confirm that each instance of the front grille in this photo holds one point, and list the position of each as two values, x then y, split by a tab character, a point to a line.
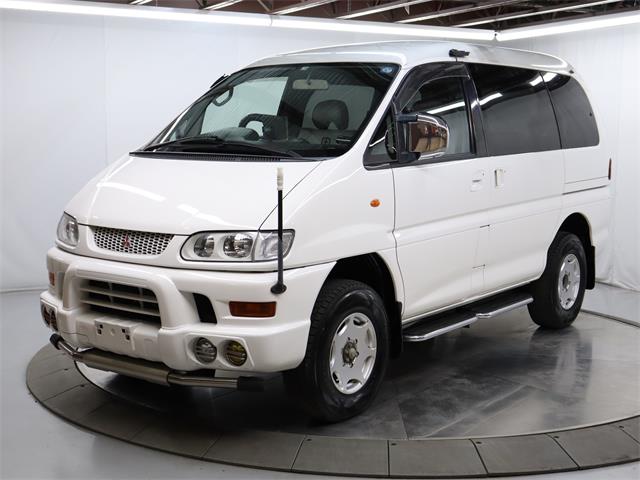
131	241
124	301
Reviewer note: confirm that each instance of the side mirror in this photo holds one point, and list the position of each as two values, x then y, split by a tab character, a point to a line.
426	135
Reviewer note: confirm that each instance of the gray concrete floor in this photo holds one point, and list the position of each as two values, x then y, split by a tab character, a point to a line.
613	302
502	376
36	444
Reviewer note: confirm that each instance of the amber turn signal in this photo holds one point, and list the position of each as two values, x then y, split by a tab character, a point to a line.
253	309
374	203
52	279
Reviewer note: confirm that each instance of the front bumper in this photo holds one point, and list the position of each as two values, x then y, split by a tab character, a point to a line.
272	344
150	371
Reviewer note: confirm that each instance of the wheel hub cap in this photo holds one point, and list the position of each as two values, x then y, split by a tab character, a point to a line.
569	281
350	352
353	353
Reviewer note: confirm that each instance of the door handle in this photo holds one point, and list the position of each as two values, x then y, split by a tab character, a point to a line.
477	181
499	177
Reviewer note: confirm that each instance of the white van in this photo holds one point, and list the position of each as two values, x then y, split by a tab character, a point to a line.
427	185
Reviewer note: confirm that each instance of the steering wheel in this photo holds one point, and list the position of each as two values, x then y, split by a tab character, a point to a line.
248	134
254	117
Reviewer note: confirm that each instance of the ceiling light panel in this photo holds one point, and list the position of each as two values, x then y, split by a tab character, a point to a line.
503	18
568	26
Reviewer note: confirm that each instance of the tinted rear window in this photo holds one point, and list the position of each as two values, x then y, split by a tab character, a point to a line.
576	121
516	110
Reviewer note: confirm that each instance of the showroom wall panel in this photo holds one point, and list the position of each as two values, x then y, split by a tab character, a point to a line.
79	91
2	161
154	69
608	61
53	127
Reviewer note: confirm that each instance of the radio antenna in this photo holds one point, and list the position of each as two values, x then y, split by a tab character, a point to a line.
280	287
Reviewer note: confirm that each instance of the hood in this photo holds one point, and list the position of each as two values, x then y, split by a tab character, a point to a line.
184	196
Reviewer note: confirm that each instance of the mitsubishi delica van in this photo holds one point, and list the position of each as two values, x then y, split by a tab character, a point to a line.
314	211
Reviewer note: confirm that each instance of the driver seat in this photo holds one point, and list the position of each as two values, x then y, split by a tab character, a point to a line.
331	119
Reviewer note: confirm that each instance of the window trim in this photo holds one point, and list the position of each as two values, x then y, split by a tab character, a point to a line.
225	78
418	76
553	108
481	115
367	154
422	74
586	97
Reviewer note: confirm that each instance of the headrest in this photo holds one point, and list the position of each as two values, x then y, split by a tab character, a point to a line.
331	111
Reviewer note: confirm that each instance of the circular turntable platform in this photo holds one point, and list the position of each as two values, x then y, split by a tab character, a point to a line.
502	397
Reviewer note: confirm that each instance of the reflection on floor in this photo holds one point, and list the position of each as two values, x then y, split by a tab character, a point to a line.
502	376
37	444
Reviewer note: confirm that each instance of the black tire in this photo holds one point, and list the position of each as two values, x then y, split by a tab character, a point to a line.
547	309
311	383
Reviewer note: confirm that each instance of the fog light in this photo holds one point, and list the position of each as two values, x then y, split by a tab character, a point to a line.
235	354
204	350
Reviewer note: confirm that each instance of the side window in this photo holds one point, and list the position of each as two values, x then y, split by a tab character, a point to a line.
382	148
576	121
516	110
445	98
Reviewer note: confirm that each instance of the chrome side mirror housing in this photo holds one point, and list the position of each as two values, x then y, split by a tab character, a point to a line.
426	135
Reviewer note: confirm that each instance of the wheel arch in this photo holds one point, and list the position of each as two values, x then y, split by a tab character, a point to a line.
372	270
578	224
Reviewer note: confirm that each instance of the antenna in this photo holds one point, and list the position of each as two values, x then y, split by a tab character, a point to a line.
280	287
458	53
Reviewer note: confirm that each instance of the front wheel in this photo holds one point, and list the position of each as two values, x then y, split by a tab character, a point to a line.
347	352
558	294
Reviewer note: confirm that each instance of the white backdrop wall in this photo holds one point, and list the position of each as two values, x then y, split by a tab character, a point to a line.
79	91
608	61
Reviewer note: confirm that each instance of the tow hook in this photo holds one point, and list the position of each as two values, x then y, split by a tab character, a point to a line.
55	340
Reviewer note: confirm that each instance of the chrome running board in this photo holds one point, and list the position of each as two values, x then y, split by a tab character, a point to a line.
446	322
437	325
154	372
500	304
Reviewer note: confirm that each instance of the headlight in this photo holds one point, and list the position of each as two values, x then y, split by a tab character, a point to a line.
68	230
238	245
235	246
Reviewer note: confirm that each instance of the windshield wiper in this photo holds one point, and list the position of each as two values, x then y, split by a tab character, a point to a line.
219	142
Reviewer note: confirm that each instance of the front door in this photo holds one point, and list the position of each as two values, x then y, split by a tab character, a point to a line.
441	203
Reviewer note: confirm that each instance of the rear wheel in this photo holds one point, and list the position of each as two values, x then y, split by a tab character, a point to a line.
347	352
558	294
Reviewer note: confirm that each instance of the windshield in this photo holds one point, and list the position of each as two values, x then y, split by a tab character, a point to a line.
314	110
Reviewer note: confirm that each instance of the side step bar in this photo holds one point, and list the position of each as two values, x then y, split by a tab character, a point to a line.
154	372
436	325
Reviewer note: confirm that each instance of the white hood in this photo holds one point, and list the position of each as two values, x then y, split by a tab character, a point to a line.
184	196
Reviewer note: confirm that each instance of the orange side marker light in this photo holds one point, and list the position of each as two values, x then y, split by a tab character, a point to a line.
253	309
